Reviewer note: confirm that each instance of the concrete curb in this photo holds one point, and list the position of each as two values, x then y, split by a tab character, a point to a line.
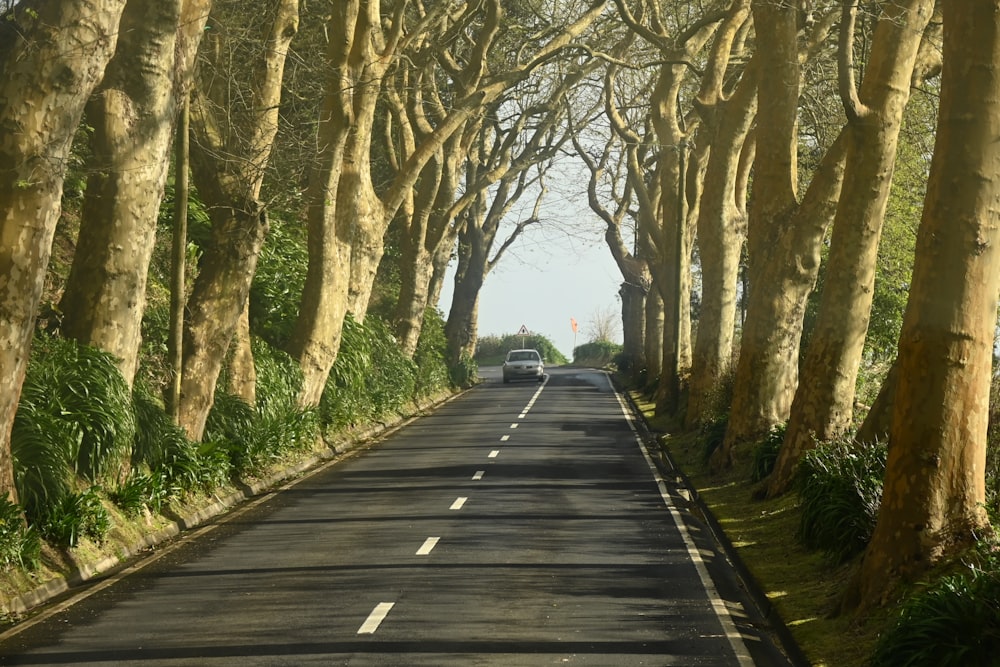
181	521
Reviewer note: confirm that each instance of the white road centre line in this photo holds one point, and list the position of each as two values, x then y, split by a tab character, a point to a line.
479	475
459	502
523	415
427	546
504	438
514	425
375	618
495	453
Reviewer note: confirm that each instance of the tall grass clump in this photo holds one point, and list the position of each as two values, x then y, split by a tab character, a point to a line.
256	436
953	623
74	420
370	379
430	363
839	486
20	545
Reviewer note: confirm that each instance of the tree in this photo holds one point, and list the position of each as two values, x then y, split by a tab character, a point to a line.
133	114
784	234
235	120
52	56
933	499
348	218
824	400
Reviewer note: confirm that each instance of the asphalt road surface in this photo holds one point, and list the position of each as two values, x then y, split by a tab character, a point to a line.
518	525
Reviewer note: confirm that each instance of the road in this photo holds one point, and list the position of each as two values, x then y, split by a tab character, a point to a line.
518	525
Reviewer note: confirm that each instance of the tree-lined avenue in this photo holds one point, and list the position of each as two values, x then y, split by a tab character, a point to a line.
519	524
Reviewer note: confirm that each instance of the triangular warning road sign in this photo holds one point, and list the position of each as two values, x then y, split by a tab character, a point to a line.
523	331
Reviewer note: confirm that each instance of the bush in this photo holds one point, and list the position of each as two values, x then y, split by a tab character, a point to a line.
840	488
433	374
19	543
599	353
370	379
75	417
76	515
491	350
954	623
141	491
162	446
278	283
765	454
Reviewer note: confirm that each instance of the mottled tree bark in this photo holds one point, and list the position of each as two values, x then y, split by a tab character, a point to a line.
133	114
52	55
824	401
235	120
934	495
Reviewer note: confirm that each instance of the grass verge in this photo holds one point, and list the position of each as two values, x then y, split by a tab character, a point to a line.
802	586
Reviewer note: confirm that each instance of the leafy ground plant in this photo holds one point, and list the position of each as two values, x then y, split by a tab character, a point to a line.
954	623
76	515
840	488
19	543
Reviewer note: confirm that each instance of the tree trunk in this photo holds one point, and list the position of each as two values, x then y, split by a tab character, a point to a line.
244	132
824	400
52	55
633	326
133	116
653	339
242	372
783	238
721	233
316	338
473	265
934	495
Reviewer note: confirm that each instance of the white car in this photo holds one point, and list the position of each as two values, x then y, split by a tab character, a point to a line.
523	365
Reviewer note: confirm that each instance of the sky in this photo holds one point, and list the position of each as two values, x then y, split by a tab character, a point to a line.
557	270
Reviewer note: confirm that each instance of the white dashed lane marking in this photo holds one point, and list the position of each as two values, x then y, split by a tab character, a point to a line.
479	475
427	546
375	618
457	505
504	438
495	453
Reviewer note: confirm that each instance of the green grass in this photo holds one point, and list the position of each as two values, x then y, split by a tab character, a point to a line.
803	586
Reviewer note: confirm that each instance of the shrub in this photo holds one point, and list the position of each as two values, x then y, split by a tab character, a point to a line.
75	417
599	353
163	447
765	454
141	491
491	350
19	542
76	515
370	379
840	488
432	372
953	623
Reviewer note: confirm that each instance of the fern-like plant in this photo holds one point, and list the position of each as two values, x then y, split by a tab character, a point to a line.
953	623
840	488
19	543
74	418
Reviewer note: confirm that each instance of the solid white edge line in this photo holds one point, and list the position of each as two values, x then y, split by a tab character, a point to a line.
459	502
718	604
375	618
428	546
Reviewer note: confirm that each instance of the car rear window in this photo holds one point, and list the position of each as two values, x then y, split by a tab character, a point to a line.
522	356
